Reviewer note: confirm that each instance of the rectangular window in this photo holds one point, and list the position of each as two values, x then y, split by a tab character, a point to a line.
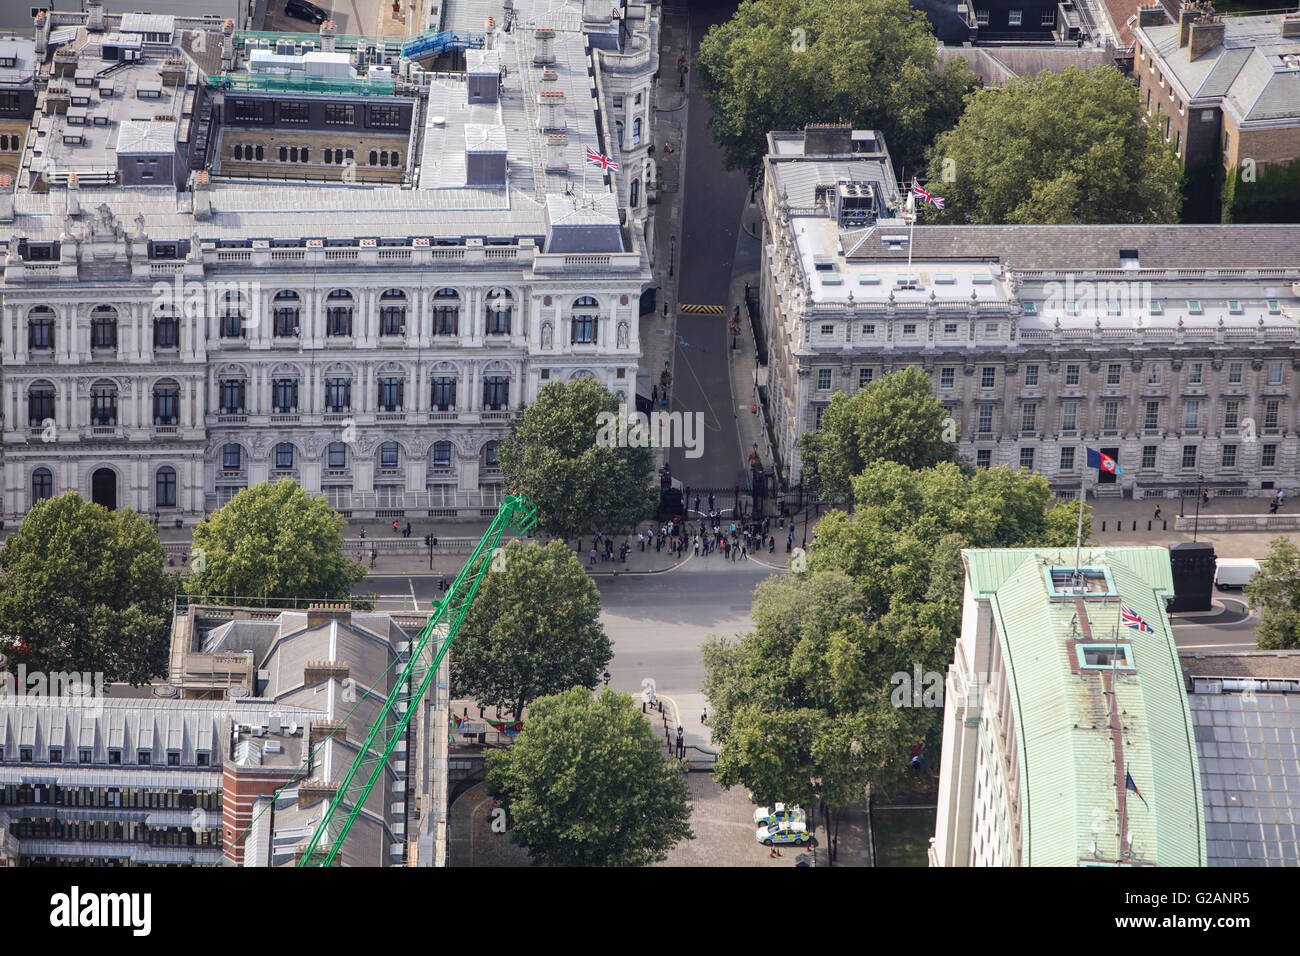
1268	458
950	328
1028	417
1192	414
444	393
946	377
1152	419
985	418
1031	375
983	457
1113	374
1234	373
864	377
988	376
869	329
1110	415
1072	375
340	113
1069	415
1153	376
1275	373
1271	409
1195	373
496	392
828	330
1013	18
1231	414
1067	459
294	113
1189	457
248	111
982	17
166	402
1229	456
1027	458
1105	655
284	395
338	394
909	328
823	379
1148	457
390	394
1047	19
384	116
56	755
820	411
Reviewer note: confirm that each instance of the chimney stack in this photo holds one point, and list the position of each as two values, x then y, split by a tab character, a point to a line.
327	34
489	35
545	37
1205	36
556	144
42	23
1151	16
72	196
6	198
228	45
550	113
1189	14
95	16
202	189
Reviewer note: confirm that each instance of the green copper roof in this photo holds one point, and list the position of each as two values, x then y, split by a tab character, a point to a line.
1070	788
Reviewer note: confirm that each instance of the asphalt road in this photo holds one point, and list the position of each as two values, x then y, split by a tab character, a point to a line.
1228	626
712	200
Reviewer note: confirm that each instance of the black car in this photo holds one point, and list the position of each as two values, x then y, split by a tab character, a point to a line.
305	10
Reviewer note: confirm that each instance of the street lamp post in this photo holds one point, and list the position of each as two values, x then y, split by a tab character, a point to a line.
1196	522
672	254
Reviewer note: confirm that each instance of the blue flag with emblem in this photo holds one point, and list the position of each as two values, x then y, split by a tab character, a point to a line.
1103	462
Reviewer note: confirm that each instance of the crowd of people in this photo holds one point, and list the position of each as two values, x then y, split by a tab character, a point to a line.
711	534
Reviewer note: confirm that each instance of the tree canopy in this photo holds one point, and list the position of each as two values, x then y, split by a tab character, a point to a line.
534	629
895	418
781	64
84	589
272	541
552	456
825	687
586	783
1066	147
1275	593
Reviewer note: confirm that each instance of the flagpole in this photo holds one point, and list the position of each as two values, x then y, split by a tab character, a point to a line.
1078	535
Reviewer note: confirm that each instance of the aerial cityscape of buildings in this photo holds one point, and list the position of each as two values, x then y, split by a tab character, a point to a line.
244	244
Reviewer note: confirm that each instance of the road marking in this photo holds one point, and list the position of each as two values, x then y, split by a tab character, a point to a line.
676	713
414	603
702	309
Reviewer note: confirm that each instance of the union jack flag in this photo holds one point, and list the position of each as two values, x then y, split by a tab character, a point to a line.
595	158
920	192
936	201
1131	618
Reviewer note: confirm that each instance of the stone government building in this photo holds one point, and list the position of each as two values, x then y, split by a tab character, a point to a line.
1174	349
231	258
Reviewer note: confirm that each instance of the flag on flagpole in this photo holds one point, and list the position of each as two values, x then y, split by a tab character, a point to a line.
1103	462
1131	618
1130	785
596	158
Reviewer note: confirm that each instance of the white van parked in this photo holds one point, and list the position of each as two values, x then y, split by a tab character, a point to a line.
1234	573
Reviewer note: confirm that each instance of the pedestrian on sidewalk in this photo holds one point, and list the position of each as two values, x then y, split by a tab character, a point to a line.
363	534
373	555
1281	498
1157	514
744	551
394	527
406	533
697	545
640	541
1205	498
735	549
1272	507
593	556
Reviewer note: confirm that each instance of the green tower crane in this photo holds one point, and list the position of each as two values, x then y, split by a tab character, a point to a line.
516	513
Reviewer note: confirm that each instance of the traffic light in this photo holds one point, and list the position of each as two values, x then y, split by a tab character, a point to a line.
428	541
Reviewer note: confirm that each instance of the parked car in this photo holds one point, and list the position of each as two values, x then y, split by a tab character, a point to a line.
777	813
782	834
305	10
1235	573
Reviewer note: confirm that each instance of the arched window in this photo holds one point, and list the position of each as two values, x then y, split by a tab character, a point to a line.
636	132
166	328
284	456
103	327
166	403
374	158
618	132
338	313
336	455
40	404
40	328
103	404
232	457
442	454
392	312
232	316
388	454
499	307
585	321
165	487
634	195
42	485
444	393
446	312
284	313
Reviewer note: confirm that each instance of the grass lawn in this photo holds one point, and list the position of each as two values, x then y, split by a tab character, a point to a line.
902	836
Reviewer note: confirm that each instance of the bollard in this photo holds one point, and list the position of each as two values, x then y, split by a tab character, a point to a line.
1103	526
1148	525
1135	525
1165	522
